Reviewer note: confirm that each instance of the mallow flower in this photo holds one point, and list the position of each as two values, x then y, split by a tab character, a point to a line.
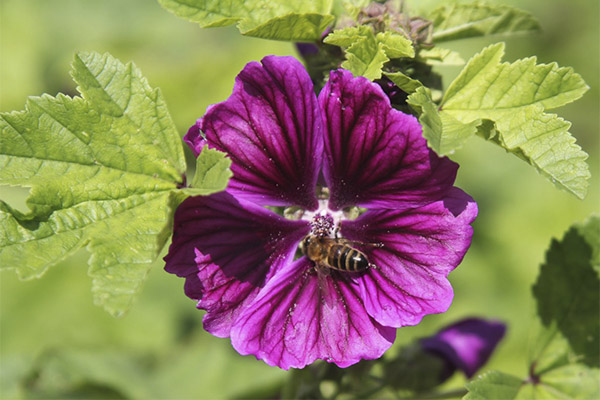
343	165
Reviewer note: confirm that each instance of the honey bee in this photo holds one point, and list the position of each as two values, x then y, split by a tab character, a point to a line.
335	253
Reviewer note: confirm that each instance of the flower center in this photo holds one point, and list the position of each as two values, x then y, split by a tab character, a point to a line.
323	221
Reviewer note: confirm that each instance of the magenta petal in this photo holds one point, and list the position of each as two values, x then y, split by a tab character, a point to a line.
227	248
299	317
271	128
193	138
375	155
467	344
420	248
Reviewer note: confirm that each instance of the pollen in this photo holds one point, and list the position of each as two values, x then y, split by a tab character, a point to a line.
322	225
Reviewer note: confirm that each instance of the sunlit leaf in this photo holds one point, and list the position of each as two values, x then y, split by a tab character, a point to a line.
444	133
212	173
276	19
395	44
463	20
440	56
404	82
366	53
514	98
102	170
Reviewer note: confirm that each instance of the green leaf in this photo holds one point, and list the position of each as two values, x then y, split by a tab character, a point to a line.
103	170
568	382
440	56
459	21
574	381
366	58
493	385
275	19
514	96
346	37
443	133
366	53
404	82
567	292
212	173
395	45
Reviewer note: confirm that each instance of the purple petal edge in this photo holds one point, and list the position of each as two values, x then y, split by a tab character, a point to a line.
420	247
467	344
301	316
227	249
271	128
193	138
376	156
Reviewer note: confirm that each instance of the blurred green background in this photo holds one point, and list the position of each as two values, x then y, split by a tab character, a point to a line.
55	343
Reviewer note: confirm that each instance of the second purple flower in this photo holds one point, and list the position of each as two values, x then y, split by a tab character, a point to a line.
351	172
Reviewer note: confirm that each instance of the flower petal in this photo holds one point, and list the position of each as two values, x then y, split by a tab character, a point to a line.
467	344
375	155
193	138
271	128
301	316
227	249
420	248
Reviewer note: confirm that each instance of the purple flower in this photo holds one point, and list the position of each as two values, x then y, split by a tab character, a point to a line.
467	344
239	258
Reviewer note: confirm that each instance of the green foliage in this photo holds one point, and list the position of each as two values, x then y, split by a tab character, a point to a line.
443	132
103	169
88	374
367	52
212	173
493	385
564	355
440	56
567	292
464	20
277	19
404	82
506	102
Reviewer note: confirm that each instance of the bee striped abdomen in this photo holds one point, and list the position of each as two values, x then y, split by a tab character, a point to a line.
346	258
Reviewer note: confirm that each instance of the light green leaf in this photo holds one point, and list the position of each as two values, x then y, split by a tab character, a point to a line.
444	134
366	58
102	170
440	56
572	381
346	37
289	27
212	173
275	19
568	382
366	53
514	96
395	45
493	385
404	82
459	21
567	293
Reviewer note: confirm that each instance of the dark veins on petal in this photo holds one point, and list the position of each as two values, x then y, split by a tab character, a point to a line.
271	129
226	249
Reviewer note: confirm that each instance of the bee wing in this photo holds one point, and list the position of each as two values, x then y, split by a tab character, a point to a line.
323	276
